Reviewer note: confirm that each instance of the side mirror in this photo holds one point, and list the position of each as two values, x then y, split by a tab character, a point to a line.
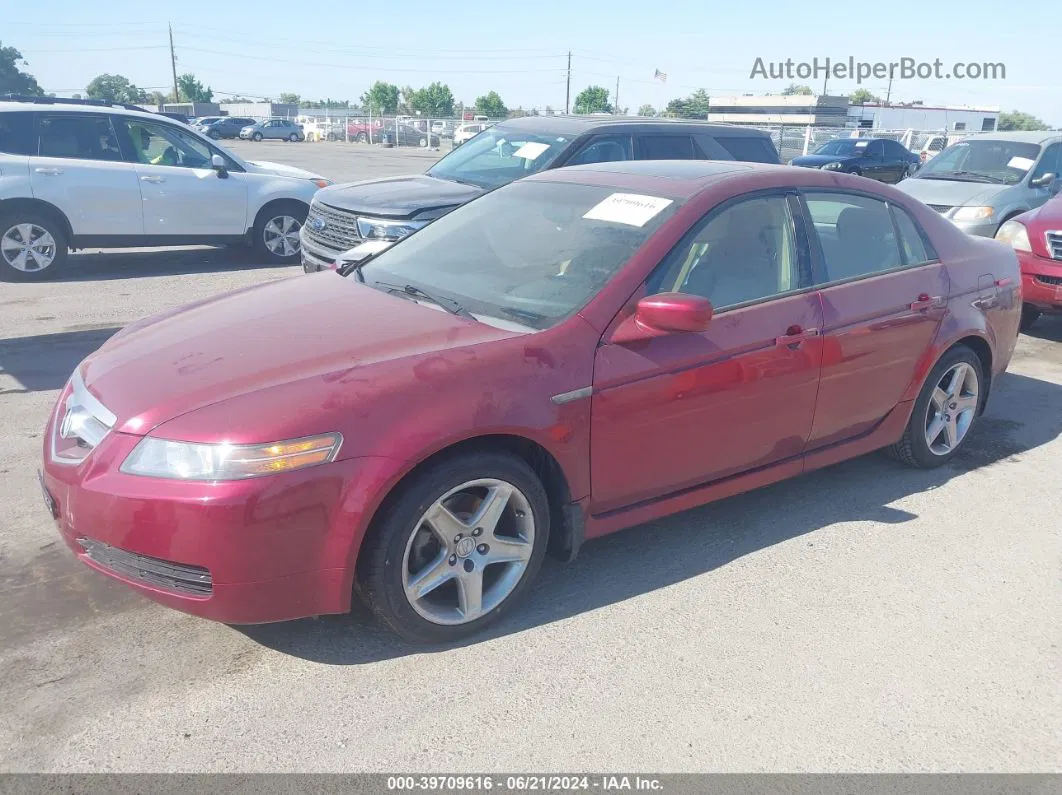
1043	181
217	162
663	315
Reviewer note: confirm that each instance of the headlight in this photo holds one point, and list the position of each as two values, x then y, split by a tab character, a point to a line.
972	213
162	458
377	229
833	166
1015	235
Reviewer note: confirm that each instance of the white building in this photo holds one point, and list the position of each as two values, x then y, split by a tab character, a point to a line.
950	118
259	110
799	109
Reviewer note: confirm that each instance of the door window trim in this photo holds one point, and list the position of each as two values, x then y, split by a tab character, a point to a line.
801	248
819	257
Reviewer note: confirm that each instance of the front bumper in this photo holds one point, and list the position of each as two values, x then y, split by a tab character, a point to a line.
1041	281
316	257
978	228
259	550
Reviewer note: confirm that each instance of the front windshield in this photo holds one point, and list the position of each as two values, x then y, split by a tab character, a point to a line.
530	253
842	147
498	156
1002	162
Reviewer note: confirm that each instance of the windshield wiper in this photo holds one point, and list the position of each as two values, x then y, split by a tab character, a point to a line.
979	175
966	176
448	304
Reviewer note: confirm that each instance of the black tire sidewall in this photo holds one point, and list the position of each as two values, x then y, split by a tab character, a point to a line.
294	209
62	247
919	447
379	569
256	137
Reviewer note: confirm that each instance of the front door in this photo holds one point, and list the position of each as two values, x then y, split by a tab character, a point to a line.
682	410
883	299
183	196
79	168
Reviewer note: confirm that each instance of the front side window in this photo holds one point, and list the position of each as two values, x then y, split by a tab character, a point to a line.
529	253
1049	163
81	136
164	145
498	156
604	149
745	252
856	235
842	147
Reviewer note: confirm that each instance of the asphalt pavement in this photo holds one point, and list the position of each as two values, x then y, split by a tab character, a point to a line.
863	618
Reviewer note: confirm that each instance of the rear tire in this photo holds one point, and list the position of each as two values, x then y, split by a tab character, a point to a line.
276	232
363	138
1029	315
33	247
939	402
294	137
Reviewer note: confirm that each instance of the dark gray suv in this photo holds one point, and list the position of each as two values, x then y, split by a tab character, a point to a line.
345	216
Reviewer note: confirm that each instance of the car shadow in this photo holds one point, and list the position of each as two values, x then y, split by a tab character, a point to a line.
1048	327
665	552
44	361
94	265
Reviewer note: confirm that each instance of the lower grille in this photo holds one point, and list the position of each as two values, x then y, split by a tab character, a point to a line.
1054	244
1052	280
940	208
163	574
328	226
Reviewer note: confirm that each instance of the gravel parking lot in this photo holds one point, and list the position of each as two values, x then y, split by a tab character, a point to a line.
863	618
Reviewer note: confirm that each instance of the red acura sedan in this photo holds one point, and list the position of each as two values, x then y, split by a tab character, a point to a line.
579	351
1036	236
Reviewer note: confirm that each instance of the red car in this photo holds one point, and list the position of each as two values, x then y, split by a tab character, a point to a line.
1036	236
576	352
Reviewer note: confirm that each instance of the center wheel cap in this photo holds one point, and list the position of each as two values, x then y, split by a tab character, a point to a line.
466	546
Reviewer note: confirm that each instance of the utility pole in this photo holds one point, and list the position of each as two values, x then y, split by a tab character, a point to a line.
568	91
173	64
824	81
615	109
888	93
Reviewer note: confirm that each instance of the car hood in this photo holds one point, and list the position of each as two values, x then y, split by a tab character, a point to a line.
817	161
398	197
267	335
950	193
281	170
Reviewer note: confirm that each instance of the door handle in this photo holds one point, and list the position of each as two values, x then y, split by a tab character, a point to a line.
49	172
153	179
925	302
794	335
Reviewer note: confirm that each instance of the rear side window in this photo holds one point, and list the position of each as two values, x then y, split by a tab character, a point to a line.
750	148
856	235
915	249
665	147
81	136
16	133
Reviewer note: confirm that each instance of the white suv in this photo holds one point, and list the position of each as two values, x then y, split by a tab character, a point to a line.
78	174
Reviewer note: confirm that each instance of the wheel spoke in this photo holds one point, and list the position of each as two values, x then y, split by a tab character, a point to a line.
25	232
20	260
490	511
436	573
951	433
470	594
965	403
958	379
504	549
444	524
9	243
286	223
939	399
934	430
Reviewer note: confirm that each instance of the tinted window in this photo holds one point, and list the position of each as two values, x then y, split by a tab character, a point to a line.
16	133
855	233
79	136
752	149
742	253
895	151
1049	163
604	149
665	147
911	240
876	149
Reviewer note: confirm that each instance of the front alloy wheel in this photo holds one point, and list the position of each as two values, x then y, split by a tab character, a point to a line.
280	235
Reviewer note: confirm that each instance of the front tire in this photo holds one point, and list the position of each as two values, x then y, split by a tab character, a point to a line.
456	548
214	135
256	137
1029	315
423	143
33	247
276	232
363	138
944	412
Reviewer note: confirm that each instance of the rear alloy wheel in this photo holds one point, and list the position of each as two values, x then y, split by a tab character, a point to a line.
276	232
456	548
32	248
293	137
944	411
423	143
1029	315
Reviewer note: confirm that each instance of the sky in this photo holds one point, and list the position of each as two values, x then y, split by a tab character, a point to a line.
338	49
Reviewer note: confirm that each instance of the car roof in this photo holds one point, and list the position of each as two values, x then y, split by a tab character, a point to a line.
680	179
1021	136
64	107
576	125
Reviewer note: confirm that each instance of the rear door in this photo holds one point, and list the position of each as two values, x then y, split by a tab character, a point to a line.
80	168
884	293
664	146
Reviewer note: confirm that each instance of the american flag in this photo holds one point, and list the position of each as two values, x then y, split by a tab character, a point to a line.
658	75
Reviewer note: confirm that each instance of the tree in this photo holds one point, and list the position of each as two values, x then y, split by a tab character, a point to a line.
794	90
593	99
156	98
646	110
435	101
287	98
192	90
491	106
1017	120
695	106
381	98
114	88
405	104
12	79
862	97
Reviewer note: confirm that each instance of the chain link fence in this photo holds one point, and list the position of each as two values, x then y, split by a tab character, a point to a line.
437	134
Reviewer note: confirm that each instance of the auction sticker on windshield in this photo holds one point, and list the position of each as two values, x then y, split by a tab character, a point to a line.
1022	163
531	150
632	209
